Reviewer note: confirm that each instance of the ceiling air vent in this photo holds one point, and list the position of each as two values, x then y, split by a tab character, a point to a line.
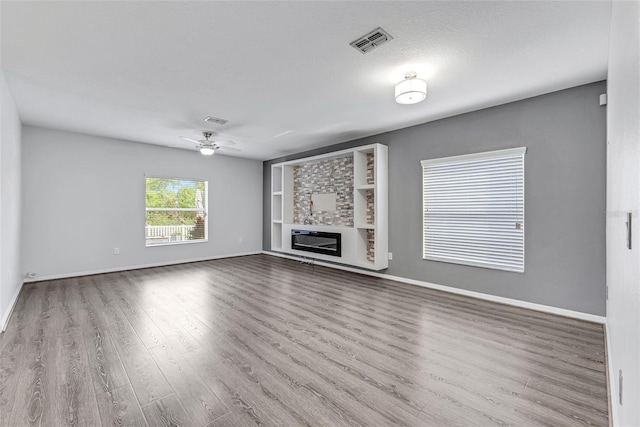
372	40
215	120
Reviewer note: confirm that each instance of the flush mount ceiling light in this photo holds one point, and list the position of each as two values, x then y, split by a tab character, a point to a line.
411	90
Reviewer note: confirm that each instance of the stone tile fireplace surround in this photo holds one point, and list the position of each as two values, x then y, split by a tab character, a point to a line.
322	177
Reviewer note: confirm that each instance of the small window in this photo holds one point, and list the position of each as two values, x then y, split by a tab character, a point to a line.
473	209
176	211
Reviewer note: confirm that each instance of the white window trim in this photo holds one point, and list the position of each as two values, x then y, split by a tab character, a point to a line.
174	209
510	152
181	242
206	212
476	156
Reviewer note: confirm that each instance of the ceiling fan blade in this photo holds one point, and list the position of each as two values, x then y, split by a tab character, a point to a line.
225	142
220	147
190	140
183	147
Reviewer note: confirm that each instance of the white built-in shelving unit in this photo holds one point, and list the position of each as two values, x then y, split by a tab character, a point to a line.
365	244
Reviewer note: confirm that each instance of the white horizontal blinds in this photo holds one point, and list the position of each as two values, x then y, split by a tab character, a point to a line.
473	209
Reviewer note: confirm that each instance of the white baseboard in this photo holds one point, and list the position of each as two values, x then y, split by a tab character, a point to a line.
12	305
487	297
134	267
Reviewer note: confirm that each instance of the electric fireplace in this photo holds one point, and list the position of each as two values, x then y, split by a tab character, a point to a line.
319	242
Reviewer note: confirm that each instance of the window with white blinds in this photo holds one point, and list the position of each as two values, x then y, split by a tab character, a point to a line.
473	209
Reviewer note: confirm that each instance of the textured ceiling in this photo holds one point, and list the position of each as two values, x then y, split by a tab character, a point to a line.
283	73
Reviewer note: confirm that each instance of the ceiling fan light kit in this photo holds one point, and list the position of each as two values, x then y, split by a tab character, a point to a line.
208	147
411	90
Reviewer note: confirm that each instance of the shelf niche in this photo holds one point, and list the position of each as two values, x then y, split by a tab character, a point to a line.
359	179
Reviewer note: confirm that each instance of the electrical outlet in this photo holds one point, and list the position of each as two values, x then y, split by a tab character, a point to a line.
240	240
390	256
116	251
603	99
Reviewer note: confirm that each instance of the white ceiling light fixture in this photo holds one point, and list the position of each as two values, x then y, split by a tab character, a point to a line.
411	90
207	151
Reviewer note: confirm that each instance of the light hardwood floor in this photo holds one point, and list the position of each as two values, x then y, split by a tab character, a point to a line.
260	340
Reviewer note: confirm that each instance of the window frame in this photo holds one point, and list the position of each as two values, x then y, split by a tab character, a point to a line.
452	160
205	203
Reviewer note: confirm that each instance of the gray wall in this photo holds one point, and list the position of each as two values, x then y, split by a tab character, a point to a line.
565	165
84	196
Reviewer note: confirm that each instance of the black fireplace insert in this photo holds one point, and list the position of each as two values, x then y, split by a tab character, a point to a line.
317	241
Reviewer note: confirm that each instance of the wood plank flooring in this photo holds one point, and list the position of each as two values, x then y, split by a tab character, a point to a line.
260	340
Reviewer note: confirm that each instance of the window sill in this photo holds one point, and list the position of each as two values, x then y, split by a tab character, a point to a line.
181	242
475	264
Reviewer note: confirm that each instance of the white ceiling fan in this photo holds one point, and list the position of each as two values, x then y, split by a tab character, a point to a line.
207	146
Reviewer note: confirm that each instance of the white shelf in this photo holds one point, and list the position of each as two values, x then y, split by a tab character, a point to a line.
276	235
366	226
276	207
319	227
370	174
365	187
276	179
